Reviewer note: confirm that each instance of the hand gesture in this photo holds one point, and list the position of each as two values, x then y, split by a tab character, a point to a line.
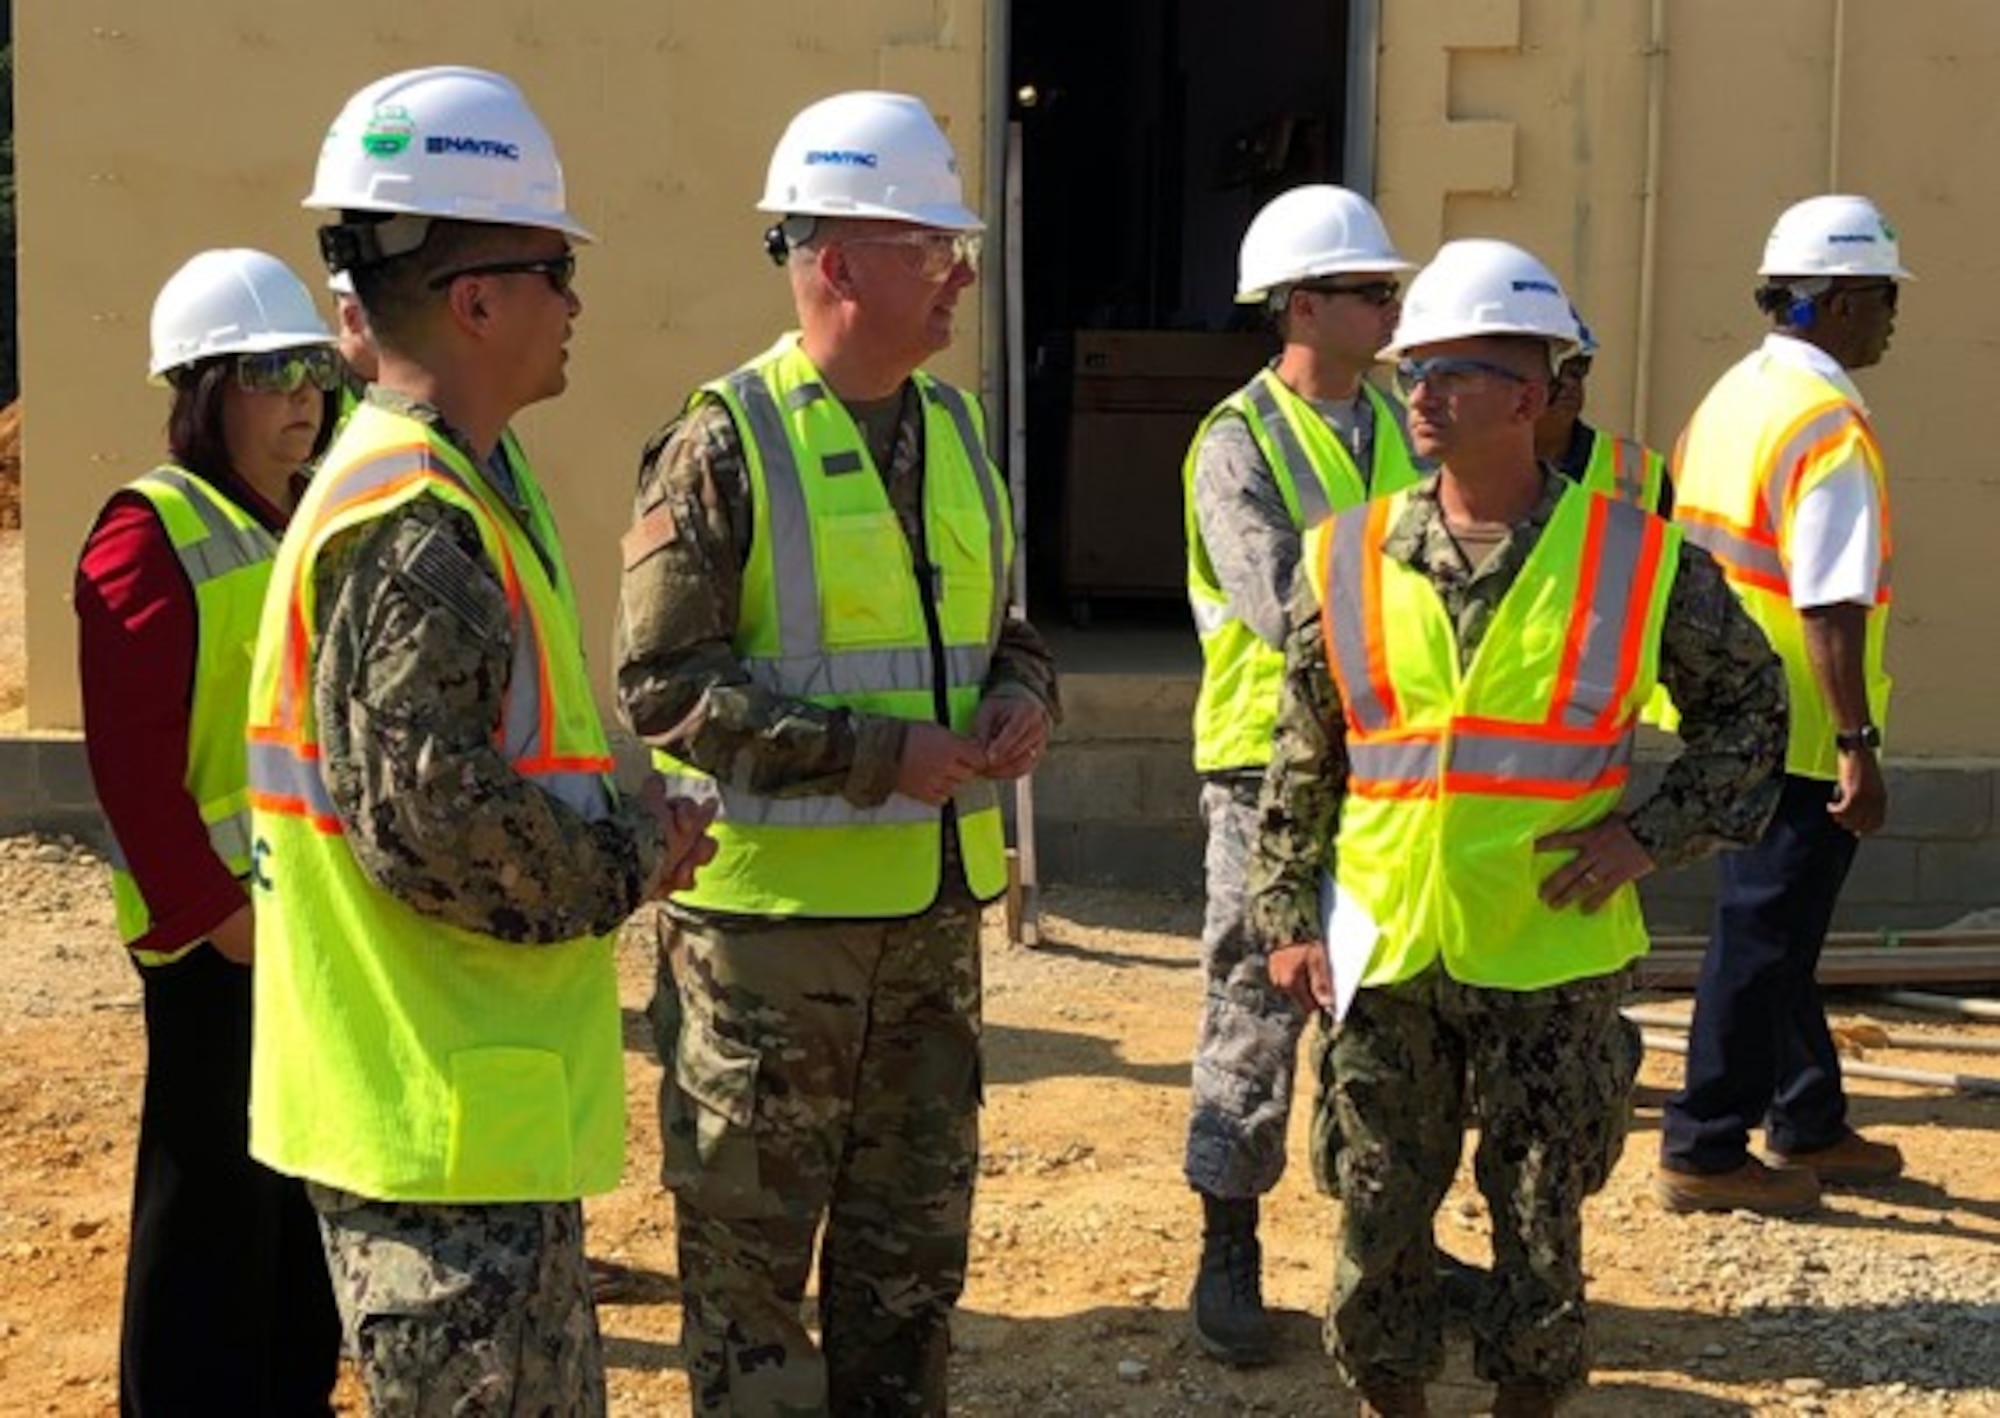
1014	733
936	762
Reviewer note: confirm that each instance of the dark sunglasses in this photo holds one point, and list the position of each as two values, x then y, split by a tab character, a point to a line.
1376	293
558	271
283	371
1446	375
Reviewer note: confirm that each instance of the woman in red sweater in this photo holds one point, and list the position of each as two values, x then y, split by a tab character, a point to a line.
227	1304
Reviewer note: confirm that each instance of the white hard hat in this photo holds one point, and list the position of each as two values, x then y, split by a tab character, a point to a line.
1485	287
1833	236
443	142
235	301
867	154
1317	230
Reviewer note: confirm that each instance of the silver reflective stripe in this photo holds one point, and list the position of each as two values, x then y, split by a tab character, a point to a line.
988	478
1605	618
795	578
276	771
582	793
1628	470
831	810
1503	759
1737	553
806	394
849	672
1405	761
1345	579
229	837
1298	468
1778	476
1209	616
1503	756
226	547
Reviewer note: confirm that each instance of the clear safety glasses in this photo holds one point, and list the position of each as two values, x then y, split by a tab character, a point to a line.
937	253
1446	375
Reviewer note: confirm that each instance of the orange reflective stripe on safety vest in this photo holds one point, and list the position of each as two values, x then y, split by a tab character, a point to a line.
1583	742
285	755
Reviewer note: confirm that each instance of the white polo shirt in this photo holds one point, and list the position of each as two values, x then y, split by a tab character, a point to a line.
1836	547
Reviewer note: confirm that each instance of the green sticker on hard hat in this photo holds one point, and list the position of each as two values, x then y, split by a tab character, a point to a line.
389	131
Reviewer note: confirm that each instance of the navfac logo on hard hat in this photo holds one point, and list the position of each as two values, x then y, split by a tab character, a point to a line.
450	146
1530	284
839	157
389	131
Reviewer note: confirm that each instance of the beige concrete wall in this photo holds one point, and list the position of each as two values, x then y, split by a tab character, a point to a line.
148	131
1529	119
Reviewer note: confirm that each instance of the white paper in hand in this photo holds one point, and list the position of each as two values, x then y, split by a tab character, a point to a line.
1350	934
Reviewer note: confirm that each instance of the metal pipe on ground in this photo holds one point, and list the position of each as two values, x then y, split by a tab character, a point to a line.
1943	1004
1867	1036
1959	1082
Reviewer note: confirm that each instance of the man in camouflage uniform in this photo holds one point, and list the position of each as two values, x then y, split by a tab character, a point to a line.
1304	437
408	853
811	625
1426	1036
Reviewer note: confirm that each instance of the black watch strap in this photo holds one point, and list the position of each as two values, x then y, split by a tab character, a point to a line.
1854	740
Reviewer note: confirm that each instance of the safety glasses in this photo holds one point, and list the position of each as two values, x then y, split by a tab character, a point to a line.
283	371
1376	293
1888	290
938	253
1447	375
558	271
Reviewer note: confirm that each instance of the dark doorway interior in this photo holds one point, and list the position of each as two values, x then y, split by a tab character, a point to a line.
1152	131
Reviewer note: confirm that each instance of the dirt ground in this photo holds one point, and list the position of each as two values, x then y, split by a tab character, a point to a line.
1085	1234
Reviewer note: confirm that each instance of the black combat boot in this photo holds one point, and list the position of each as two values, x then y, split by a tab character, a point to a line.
1228	1300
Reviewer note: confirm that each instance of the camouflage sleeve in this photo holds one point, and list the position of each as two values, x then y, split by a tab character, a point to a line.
1730	690
1023	668
680	686
1246	527
1298	810
413	660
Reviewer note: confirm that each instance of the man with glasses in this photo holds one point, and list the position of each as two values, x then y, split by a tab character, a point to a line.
1781	478
1464	670
1306	436
814	629
441	855
1601	461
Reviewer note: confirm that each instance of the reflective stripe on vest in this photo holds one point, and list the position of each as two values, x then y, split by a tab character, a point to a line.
835	621
225	554
1628	471
1315	474
1456	771
1766	435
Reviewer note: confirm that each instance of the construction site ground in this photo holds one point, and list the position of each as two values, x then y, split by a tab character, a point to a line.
1085	1233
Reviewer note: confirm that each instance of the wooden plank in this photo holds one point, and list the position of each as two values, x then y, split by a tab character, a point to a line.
1878	940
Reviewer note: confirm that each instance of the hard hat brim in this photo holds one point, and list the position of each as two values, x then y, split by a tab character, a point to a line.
255	344
946	216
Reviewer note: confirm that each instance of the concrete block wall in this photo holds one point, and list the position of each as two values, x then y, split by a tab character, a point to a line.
1115	804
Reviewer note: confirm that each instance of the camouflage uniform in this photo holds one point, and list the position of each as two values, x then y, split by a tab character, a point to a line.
814	1069
470	1305
1549	1069
1247	1043
465	1310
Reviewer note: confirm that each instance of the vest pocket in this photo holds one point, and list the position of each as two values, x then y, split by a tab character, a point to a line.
864	600
510	1127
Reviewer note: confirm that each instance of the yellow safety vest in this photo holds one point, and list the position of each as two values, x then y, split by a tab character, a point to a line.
1236	709
1626	470
833	612
225	553
1454	774
397	1056
1768	433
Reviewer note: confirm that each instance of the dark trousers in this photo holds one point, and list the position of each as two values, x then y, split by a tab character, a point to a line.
1760	1051
227	1304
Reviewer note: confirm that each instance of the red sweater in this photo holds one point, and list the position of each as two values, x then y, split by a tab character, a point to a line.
135	657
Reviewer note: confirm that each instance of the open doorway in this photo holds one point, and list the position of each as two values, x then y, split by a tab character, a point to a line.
1151	132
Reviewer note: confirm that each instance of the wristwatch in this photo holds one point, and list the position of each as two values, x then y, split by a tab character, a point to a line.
1854	740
